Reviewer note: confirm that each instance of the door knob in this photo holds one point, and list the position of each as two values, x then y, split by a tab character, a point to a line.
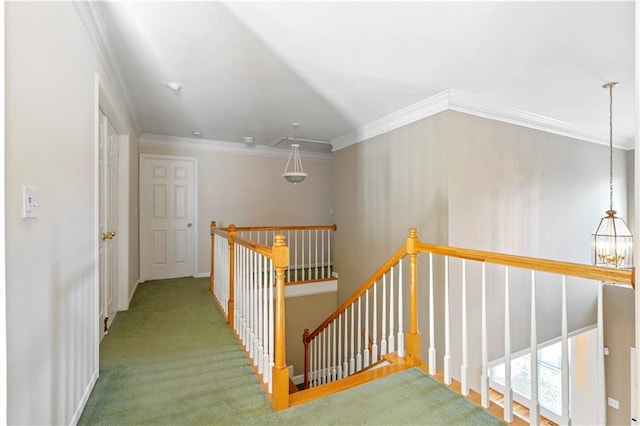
111	234
189	225
107	235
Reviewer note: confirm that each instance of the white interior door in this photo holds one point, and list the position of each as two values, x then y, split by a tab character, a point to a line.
108	218
167	216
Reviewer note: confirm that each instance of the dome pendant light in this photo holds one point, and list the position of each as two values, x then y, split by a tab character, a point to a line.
612	242
295	174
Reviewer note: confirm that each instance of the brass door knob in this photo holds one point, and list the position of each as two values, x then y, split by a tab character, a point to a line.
107	235
111	234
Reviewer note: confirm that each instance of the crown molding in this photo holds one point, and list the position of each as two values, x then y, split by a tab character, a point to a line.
453	100
91	18
193	144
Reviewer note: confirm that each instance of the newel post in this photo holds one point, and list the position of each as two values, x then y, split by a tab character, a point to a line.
232	272
305	341
413	343
213	245
280	372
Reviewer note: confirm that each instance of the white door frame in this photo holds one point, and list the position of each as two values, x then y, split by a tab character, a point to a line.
104	104
193	160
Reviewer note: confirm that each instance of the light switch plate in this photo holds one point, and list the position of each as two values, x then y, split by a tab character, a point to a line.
613	403
29	201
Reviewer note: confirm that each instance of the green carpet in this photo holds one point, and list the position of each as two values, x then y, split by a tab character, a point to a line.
172	359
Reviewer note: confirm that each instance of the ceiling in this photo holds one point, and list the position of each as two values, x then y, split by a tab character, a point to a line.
252	68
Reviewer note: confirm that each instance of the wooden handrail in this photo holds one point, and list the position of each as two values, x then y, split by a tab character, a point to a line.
399	254
599	273
333	227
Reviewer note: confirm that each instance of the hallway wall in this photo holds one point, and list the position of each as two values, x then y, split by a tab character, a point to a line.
51	269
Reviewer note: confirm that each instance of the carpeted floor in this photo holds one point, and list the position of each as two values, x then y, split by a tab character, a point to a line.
172	359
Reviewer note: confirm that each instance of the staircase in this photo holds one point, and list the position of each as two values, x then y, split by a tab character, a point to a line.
375	331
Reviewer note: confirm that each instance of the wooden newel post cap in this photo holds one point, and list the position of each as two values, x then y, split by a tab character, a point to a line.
305	336
280	252
232	228
411	241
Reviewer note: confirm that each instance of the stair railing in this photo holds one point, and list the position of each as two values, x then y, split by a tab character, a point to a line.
247	280
363	329
348	341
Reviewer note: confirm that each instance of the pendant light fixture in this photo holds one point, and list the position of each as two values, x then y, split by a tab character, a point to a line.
612	241
294	174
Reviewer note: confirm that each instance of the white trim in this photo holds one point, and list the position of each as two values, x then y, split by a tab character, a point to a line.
85	398
193	144
194	160
203	275
309	289
298	380
3	276
91	18
455	100
133	291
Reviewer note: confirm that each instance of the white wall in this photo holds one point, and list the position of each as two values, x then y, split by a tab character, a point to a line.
249	190
51	280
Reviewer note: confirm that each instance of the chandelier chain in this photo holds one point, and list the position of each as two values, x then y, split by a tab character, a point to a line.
611	146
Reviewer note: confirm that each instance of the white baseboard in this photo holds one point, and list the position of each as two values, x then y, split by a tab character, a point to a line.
308	289
298	380
203	275
85	398
135	287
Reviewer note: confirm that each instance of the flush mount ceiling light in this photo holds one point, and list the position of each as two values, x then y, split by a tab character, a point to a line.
174	87
197	134
294	174
249	140
612	241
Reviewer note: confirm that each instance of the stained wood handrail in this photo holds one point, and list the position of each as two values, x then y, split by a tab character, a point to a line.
399	254
333	227
599	273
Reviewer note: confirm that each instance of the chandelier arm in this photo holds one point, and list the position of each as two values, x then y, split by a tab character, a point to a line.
611	146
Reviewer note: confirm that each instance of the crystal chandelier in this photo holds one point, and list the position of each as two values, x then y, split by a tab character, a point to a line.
612	242
295	174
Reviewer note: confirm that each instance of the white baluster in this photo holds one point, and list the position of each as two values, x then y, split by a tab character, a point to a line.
317	276
534	409
334	370
339	365
309	277
314	362
352	360
383	331
329	254
600	377
359	336
295	256
324	266
464	385
447	325
323	365
374	346
508	392
265	321
391	340
432	333
256	313
271	325
345	364
259	334
289	265
401	348
303	252
564	419
484	379
367	352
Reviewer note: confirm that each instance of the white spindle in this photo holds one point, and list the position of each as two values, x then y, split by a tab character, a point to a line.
309	276
352	360
255	327
464	385
339	346
345	365
260	311
432	333
323	346
564	419
391	341
600	378
295	257
334	370
303	253
367	352
447	325
374	346
323	264
314	361
534	409
265	321
383	330
359	336
508	392
289	266
401	351
329	254
271	325
484	379
317	276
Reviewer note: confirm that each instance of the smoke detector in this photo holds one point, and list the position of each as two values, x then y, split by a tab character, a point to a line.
174	87
249	140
